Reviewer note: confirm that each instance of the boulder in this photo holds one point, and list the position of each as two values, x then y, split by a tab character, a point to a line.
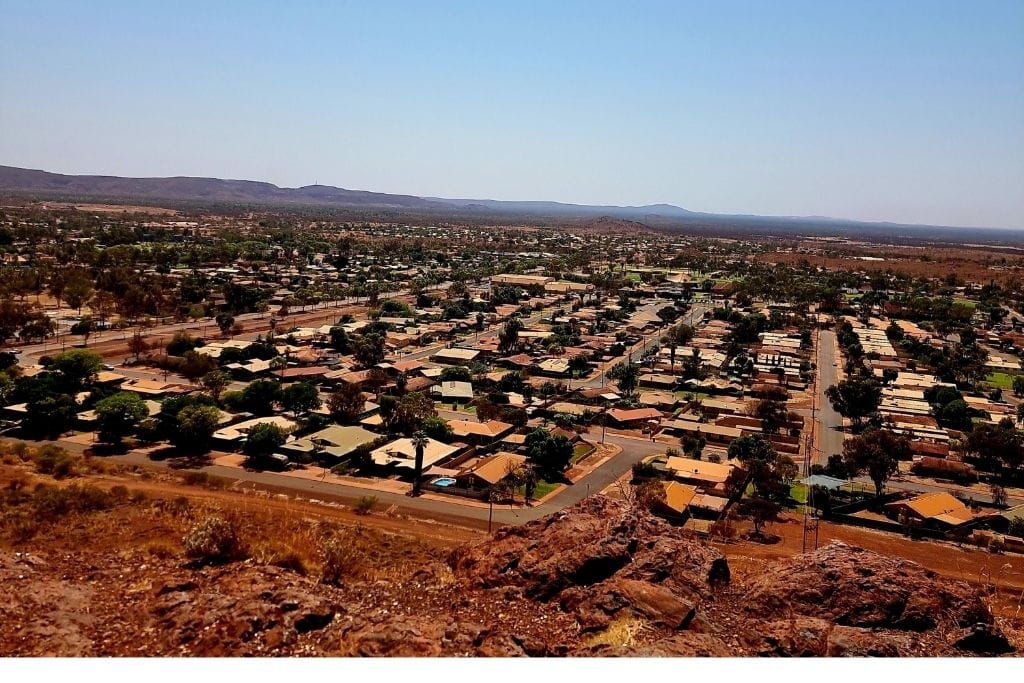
851	586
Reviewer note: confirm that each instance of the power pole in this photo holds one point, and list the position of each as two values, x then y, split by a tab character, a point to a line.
811	518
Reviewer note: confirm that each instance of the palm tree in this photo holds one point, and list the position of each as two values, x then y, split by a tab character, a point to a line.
278	363
419	442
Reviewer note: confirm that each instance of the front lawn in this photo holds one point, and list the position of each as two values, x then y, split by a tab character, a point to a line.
1000	380
580	451
542	489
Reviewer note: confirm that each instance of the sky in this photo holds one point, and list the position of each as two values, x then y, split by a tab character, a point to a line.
896	110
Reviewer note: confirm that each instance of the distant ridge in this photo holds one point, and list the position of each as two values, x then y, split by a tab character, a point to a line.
36	184
21	181
55	185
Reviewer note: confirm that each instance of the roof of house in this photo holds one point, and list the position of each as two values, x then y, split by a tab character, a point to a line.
938	505
454	389
554	365
402	453
335	440
491	428
571	408
699	469
456	354
149	386
239	430
630	415
678	496
494	468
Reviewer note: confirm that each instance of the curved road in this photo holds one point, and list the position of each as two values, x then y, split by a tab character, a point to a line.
633	451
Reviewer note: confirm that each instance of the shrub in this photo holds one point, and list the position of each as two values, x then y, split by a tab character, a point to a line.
119	492
644	470
161	549
280	555
1017	527
193	478
52	502
365	505
214	540
339	560
21	526
55	461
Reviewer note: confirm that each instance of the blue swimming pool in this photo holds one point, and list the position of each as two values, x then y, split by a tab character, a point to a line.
443	481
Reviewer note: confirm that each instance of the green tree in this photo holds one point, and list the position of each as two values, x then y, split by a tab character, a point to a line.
626	375
181	343
346	403
855	398
508	336
549	453
77	368
196	365
437	428
300	397
260	396
579	365
85	327
225	321
455	373
339	340
50	416
878	452
262	441
760	511
1018	385
369	349
194	428
407	414
215	382
118	415
767	470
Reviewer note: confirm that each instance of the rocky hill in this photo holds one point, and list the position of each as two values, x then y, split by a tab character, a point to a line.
601	578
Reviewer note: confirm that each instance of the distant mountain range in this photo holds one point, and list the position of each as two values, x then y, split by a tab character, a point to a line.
21	182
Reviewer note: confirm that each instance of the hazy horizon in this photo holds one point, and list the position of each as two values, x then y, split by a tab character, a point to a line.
909	114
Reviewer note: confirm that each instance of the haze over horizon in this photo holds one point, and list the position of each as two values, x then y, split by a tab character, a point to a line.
911	113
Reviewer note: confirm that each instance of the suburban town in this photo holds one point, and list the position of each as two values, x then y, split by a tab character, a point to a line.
749	392
511	341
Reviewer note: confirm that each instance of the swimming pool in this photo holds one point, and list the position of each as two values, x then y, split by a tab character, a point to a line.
443	481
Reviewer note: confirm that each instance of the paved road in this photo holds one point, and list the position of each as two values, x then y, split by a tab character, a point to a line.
633	451
696	314
830	423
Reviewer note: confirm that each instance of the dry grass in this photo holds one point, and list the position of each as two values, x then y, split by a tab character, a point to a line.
622	632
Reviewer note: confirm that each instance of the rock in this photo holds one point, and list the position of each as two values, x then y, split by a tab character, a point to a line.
393	638
653	601
684	644
851	586
499	646
798	637
985	639
597	558
847	641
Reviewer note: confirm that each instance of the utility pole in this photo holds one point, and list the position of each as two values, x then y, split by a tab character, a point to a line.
490	511
811	519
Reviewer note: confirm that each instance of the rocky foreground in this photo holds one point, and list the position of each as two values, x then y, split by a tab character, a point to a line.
598	579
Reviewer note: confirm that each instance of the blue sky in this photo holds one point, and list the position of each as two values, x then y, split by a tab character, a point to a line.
904	111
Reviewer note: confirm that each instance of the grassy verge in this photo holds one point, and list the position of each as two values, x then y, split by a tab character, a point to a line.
1000	380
